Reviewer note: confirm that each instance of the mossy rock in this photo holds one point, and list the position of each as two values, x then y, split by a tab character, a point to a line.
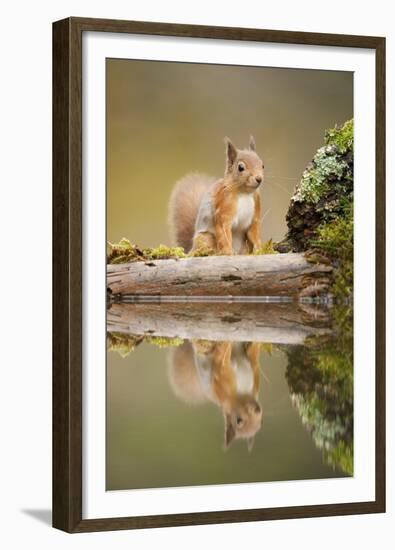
325	191
335	240
320	379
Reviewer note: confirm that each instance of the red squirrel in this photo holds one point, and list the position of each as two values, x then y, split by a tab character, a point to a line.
225	373
222	215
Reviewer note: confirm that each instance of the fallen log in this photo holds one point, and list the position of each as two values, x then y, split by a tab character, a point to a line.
277	323
266	275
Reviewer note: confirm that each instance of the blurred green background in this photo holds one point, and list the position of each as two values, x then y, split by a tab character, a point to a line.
166	119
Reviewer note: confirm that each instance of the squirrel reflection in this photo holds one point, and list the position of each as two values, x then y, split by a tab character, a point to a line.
225	373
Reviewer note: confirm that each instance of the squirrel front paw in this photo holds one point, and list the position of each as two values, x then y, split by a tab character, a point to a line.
225	252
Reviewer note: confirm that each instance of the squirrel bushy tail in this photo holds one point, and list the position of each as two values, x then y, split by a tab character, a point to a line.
183	376
184	206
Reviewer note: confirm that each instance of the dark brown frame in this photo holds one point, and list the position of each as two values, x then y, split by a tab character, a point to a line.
67	273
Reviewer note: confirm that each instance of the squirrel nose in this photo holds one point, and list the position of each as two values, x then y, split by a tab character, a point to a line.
258	179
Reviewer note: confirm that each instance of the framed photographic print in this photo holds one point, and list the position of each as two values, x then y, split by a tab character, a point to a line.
218	274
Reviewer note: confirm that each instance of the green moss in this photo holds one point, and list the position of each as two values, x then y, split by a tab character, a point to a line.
266	248
163	342
163	252
125	251
267	347
202	252
335	241
341	455
343	317
341	136
336	237
320	215
201	249
324	192
316	181
122	343
320	378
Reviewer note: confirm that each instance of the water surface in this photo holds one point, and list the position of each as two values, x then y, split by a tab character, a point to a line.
196	411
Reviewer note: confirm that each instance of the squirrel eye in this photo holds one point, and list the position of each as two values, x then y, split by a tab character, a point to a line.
241	167
263	166
239	420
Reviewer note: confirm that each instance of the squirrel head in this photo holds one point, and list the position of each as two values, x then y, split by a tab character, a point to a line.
244	168
243	421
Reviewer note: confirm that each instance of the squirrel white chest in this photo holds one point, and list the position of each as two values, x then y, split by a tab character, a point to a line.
244	374
244	213
242	221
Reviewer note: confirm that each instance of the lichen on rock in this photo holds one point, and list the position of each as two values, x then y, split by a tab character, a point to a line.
326	168
320	214
324	191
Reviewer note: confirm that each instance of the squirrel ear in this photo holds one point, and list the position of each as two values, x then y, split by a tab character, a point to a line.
229	430
231	152
250	443
252	143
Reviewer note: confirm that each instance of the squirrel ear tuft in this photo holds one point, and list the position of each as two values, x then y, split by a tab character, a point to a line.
230	433
252	143
231	152
250	443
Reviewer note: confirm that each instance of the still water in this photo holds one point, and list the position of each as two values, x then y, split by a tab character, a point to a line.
202	394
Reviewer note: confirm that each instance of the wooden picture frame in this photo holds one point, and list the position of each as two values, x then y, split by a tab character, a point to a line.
67	274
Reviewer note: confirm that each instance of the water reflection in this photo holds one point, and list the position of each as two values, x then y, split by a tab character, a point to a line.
320	380
226	372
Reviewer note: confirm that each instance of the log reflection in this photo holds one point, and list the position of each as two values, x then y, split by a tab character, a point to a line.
278	323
